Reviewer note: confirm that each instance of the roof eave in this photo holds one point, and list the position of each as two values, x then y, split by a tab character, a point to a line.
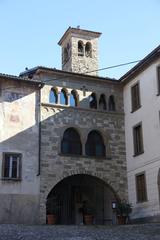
19	79
145	62
77	30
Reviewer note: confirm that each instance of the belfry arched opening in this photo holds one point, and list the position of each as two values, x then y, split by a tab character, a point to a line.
71	194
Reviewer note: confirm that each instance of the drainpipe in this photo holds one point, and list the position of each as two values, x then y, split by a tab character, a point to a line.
39	129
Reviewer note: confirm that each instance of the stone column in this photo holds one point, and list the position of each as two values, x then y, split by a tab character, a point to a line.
59	95
68	96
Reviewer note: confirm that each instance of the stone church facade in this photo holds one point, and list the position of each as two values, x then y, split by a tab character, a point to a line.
62	138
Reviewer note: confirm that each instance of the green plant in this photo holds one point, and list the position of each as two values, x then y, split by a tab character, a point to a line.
123	208
52	206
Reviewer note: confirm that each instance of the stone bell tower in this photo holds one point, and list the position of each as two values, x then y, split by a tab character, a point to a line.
79	51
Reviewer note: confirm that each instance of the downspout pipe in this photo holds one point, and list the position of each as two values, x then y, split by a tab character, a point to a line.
39	130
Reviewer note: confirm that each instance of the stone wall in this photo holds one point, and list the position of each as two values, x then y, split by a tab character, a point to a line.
56	118
80	64
83	64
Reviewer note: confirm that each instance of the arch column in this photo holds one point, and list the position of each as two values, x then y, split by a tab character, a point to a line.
68	99
59	97
84	140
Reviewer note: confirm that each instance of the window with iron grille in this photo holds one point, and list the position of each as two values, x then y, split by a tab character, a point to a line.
138	139
141	188
135	94
11	166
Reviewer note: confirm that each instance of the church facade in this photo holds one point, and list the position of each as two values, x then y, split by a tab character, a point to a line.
63	139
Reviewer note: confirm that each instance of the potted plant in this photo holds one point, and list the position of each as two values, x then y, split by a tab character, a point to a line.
123	209
52	210
87	212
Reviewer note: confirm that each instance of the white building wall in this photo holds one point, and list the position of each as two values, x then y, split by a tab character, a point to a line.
149	161
19	134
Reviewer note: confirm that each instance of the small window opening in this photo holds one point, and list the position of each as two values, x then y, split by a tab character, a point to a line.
73	99
65	55
80	49
93	101
102	102
88	49
111	103
63	97
53	96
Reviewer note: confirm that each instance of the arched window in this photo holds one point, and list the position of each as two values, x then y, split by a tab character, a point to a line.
73	99
53	96
111	103
63	97
65	55
95	145
71	143
88	49
102	102
80	48
93	101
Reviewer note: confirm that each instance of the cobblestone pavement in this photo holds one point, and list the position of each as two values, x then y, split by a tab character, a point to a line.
126	232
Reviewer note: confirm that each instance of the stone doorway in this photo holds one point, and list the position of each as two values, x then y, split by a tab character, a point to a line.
71	193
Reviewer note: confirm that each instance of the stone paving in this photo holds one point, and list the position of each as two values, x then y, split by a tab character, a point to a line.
42	232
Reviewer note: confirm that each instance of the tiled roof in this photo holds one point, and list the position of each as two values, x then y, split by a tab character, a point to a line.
78	31
12	77
54	70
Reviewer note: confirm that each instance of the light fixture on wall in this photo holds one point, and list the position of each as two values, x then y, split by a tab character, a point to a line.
114	205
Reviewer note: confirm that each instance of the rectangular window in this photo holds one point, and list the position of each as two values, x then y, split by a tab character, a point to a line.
11	166
138	139
135	94
141	188
158	79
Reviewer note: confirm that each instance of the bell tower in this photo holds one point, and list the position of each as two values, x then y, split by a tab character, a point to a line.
79	51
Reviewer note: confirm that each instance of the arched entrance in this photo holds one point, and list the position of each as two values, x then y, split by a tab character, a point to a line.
70	194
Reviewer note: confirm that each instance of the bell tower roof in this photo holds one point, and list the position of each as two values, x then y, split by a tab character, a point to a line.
78	31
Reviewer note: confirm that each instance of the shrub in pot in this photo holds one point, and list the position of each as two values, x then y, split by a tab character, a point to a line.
123	209
88	213
52	210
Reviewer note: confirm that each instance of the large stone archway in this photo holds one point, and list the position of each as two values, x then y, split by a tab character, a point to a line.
47	186
71	193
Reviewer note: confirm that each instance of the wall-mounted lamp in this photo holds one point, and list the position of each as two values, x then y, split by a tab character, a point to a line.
114	205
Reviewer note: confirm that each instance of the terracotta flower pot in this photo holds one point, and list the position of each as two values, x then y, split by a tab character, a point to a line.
51	219
121	219
88	219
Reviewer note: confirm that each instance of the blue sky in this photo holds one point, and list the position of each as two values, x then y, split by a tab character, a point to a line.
30	30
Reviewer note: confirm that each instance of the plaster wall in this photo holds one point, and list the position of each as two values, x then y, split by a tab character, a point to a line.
149	161
19	134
